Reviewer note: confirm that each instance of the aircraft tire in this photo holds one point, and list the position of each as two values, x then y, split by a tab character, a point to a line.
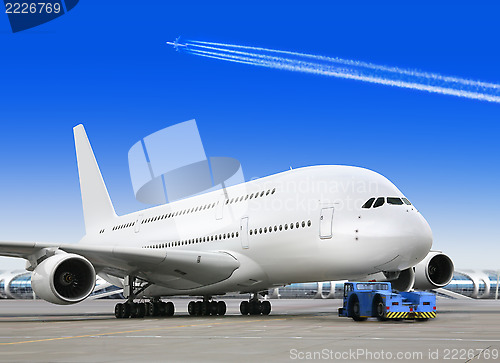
197	308
244	308
213	307
266	307
221	308
169	308
191	308
119	311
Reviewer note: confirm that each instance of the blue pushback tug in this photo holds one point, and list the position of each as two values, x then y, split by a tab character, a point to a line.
363	300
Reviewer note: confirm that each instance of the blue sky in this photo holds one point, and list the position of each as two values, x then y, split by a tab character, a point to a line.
109	68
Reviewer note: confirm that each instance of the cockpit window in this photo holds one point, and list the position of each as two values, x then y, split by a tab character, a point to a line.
393	200
368	203
407	202
380	201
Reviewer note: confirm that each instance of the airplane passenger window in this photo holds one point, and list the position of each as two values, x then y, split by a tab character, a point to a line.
261	194
265	229
286	227
281	227
297	224
237	234
309	223
251	196
260	230
251	232
291	225
303	224
368	203
275	228
380	201
267	193
273	191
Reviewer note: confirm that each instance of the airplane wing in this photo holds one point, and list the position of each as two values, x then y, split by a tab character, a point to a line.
173	268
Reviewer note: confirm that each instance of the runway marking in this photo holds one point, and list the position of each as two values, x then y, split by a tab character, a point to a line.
432	339
137	331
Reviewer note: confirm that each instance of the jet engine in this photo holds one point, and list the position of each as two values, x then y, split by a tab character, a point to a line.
64	278
436	270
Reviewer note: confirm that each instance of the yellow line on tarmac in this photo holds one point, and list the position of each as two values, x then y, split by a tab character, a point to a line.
136	331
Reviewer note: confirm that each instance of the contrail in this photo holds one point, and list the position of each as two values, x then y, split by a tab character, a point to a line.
344	68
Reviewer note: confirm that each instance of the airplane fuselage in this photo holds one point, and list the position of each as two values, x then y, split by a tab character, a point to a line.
301	225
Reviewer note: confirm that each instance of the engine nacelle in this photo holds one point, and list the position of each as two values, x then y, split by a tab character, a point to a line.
63	279
436	270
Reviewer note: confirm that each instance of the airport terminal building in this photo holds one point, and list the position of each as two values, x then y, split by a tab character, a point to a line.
474	284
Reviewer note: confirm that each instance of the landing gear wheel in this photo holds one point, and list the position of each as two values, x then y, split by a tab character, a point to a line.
137	310
379	309
266	307
140	310
213	307
244	308
205	308
169	308
197	308
126	310
147	311
255	307
191	308
119	311
154	309
163	308
221	308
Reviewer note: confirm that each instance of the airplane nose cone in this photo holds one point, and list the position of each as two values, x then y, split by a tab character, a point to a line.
409	238
423	239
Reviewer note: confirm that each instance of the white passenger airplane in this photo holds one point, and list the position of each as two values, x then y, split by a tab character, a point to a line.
317	223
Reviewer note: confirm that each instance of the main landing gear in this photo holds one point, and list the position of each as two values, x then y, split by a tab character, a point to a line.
132	309
207	307
255	307
132	289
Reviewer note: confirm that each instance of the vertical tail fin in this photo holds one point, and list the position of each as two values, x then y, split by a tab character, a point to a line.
97	206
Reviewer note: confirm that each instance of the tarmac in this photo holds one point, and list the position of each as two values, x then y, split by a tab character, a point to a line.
296	330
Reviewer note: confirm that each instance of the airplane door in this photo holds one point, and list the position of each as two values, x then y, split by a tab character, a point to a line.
244	233
326	222
137	224
219	208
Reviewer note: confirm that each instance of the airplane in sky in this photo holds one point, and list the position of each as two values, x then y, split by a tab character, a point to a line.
318	223
176	43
